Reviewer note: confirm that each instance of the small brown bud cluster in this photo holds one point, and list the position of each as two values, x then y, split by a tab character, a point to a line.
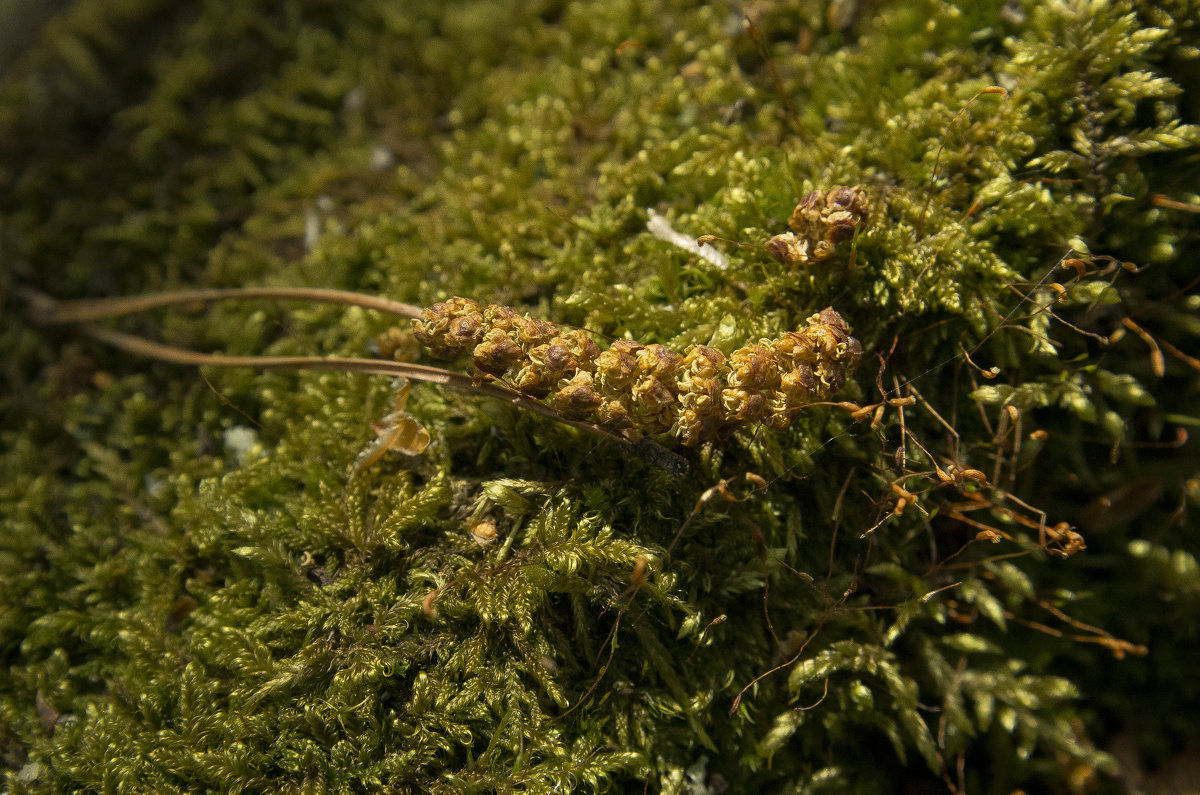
820	221
640	389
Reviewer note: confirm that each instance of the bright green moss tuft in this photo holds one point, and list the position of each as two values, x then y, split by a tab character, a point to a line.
200	594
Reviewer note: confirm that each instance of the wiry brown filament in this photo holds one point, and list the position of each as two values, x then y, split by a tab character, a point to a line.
623	393
45	310
417	372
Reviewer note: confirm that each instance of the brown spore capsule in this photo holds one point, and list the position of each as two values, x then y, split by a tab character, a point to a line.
820	221
658	361
497	353
637	389
753	367
577	399
617	367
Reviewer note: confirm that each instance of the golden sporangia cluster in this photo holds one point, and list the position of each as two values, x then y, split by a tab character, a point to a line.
820	221
640	389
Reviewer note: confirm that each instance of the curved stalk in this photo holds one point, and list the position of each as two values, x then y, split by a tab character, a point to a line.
644	449
49	311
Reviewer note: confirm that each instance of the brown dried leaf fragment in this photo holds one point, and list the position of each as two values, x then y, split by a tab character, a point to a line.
399	431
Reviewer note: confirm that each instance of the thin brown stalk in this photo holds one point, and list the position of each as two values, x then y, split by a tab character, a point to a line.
645	449
49	311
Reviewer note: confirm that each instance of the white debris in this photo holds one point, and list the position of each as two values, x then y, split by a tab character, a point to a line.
244	443
312	228
30	773
661	228
382	158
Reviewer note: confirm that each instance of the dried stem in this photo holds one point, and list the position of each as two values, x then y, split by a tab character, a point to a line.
140	346
45	310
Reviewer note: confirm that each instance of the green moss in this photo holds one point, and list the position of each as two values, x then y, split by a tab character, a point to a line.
199	594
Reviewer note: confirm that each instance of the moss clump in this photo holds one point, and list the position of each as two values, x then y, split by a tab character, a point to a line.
201	595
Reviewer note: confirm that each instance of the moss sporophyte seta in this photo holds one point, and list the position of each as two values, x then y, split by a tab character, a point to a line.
630	389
